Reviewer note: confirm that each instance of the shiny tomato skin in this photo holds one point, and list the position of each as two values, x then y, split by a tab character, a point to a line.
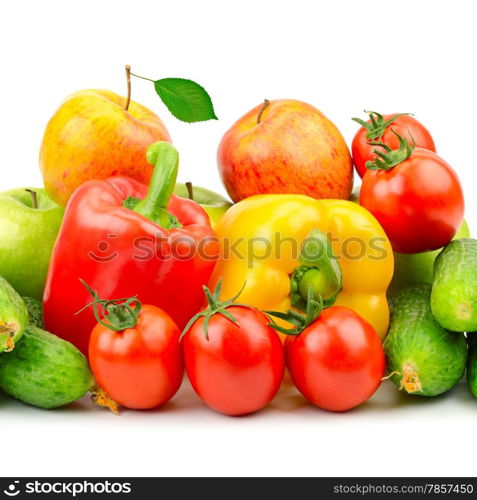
141	367
238	369
419	203
338	361
406	126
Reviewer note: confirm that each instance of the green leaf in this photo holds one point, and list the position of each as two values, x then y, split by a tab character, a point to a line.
185	99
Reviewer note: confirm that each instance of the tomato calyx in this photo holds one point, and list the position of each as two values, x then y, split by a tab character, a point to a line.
117	314
299	321
389	158
378	125
215	306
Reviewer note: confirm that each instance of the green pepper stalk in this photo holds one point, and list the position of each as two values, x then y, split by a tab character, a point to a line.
315	284
319	275
164	157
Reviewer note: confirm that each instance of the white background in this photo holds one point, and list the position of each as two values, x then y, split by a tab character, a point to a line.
341	56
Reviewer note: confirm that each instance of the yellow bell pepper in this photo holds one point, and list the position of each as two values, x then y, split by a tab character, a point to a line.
265	248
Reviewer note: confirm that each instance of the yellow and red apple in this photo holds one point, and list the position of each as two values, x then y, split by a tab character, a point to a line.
93	136
285	146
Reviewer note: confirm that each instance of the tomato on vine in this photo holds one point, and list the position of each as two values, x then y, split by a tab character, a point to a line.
134	353
233	358
415	196
379	127
334	356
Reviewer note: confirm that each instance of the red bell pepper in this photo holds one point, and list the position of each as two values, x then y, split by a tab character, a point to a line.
162	250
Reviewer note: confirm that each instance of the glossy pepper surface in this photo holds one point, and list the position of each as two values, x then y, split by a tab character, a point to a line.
161	250
279	246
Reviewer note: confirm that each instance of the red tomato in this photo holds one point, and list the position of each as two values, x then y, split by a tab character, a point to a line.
405	125
338	361
239	367
419	202
139	367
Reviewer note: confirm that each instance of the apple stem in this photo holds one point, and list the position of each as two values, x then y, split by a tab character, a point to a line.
142	77
265	105
128	79
34	198
190	190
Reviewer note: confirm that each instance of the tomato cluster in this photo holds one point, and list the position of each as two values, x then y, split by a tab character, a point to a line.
413	193
233	355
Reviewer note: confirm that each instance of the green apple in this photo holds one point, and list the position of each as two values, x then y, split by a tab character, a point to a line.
30	221
419	267
214	204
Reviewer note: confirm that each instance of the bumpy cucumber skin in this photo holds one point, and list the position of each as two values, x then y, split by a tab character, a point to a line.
35	311
416	339
44	370
454	290
472	363
13	314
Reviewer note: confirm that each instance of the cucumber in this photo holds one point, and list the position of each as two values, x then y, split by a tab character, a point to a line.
44	370
423	358
35	311
454	289
13	316
412	268
472	363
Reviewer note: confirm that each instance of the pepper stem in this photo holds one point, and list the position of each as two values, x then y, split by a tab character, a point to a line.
164	157
319	276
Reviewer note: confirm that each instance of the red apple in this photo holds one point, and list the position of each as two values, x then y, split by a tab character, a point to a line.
92	136
285	146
